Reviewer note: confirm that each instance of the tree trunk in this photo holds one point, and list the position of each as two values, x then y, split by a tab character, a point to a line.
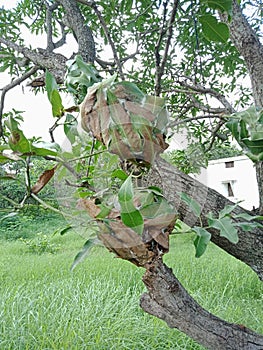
259	172
169	301
249	46
173	182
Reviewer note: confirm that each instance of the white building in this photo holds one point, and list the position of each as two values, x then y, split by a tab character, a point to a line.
235	178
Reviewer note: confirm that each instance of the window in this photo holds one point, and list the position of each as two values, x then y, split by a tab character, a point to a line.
228	187
229	164
230	190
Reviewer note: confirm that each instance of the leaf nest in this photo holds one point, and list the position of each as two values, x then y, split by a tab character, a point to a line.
128	122
124	241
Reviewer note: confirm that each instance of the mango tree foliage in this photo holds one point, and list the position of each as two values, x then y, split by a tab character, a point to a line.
133	62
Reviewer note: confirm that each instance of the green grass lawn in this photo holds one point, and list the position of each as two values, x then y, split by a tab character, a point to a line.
45	306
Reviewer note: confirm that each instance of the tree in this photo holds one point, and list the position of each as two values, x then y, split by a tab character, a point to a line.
177	49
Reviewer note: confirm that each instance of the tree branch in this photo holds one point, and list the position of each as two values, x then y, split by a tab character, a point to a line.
49	30
168	300
160	63
186	120
201	89
107	34
249	46
173	182
54	62
82	33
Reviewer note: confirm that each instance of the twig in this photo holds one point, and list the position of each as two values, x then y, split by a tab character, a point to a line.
52	129
160	63
214	135
141	13
206	108
49	10
27	176
178	122
11	86
107	34
105	64
201	89
16	205
62	40
48	206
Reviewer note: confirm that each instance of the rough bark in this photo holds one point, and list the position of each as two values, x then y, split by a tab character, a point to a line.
259	172
169	301
54	62
83	34
249	46
173	182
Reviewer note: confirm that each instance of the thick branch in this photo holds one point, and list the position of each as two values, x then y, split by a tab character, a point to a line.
54	62
173	182
168	300
248	44
82	33
49	10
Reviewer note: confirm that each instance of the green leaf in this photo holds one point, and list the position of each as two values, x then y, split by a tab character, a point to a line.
84	252
70	128
201	241
221	5
247	128
120	174
227	210
56	102
8	177
156	190
193	205
248	217
214	30
45	149
226	227
51	84
130	216
63	230
53	95
133	91
105	210
249	226
17	141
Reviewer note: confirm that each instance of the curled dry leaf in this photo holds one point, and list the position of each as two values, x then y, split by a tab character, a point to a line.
43	180
158	229
126	244
89	205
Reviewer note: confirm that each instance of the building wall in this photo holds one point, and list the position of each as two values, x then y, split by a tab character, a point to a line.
235	178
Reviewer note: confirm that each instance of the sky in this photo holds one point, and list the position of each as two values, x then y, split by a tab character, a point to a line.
37	109
8	3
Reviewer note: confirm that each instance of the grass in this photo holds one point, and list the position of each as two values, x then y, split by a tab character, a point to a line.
45	306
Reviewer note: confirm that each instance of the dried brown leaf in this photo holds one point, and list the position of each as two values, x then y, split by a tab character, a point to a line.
43	180
136	109
118	114
89	205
